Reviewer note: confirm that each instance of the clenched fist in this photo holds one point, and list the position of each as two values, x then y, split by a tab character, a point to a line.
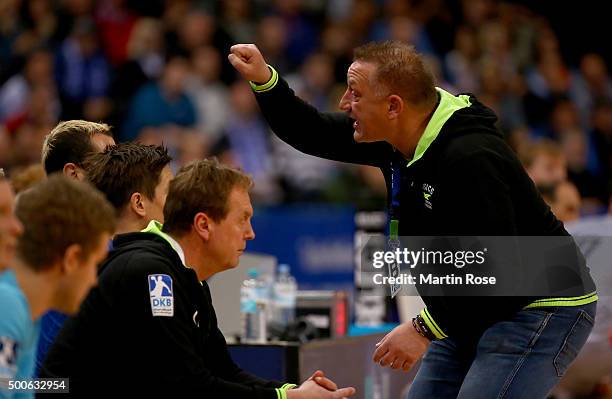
247	60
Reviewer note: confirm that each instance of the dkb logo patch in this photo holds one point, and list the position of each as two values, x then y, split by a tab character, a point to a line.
162	296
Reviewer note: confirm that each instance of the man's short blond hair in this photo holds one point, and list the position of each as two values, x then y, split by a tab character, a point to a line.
201	186
70	142
399	70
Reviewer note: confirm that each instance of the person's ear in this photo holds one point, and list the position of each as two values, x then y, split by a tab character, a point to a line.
72	170
203	225
137	204
395	106
71	260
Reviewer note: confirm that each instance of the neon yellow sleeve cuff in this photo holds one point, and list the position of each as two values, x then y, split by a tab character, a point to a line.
281	393
269	85
431	324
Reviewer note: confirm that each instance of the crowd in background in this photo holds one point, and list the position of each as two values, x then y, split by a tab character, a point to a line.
157	71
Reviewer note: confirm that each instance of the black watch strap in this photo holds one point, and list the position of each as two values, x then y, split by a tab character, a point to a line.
421	327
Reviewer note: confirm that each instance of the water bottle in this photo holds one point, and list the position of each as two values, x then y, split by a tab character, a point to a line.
285	293
254	308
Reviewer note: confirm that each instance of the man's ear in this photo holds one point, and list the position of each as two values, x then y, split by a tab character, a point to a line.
203	225
71	259
395	107
137	204
72	170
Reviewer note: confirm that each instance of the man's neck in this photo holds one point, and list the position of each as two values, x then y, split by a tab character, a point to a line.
37	287
195	256
129	225
412	129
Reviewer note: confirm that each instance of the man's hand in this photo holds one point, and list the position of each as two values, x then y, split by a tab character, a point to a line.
312	390
401	348
319	378
249	62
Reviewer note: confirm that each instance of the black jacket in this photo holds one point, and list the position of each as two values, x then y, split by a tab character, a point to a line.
115	339
477	186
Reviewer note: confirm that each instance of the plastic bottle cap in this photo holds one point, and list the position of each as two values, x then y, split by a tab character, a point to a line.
253	273
283	268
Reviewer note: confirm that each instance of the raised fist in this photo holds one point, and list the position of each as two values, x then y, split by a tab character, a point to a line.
249	62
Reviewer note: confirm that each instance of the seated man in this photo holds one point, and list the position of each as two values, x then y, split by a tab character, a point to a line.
135	179
66	228
68	144
64	150
150	321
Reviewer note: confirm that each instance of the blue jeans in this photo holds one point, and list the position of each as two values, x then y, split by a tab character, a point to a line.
519	358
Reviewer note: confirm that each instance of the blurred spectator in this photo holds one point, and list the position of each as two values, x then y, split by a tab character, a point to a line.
272	40
174	12
591	84
303	176
315	81
477	12
523	30
495	46
360	185
398	25
27	144
236	17
601	135
30	127
461	63
338	10
337	41
192	147
563	199
16	93
83	74
302	37
27	177
115	23
206	91
162	104
363	14
145	62
500	85
545	163
10	28
40	23
197	29
549	81
435	66
192	28
70	12
496	92
564	116
591	187
246	143
38	121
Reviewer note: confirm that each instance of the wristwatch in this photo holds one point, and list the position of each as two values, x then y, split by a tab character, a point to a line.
421	327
